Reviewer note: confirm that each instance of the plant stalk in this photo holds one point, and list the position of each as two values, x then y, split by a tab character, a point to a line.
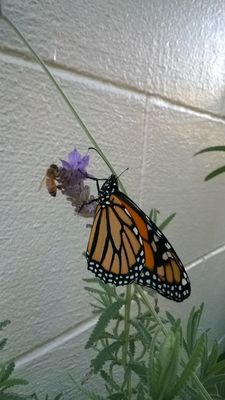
125	349
64	96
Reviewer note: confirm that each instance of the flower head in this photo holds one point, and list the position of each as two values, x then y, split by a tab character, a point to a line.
76	161
71	178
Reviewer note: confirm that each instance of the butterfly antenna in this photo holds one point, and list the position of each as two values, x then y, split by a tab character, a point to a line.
93	148
122	172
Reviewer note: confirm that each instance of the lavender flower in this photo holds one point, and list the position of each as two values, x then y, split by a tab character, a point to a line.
71	178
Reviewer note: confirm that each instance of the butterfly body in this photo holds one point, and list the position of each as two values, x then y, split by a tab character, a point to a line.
125	246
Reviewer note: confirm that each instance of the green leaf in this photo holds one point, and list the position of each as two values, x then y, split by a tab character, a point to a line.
211	359
213	380
109	314
190	367
3	324
140	369
221	356
143	333
94	290
88	394
132	348
166	221
59	396
212	148
169	357
13	396
192	328
219	367
151	213
140	392
108	353
117	396
153	369
3	343
108	288
13	382
155	215
170	318
5	372
110	381
216	172
91	280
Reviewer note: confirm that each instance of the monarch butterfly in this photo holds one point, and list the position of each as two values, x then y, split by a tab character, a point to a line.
125	246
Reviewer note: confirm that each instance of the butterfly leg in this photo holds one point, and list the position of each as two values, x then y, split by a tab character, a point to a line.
93	178
86	203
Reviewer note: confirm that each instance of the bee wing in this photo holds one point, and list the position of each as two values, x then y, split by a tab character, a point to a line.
42	183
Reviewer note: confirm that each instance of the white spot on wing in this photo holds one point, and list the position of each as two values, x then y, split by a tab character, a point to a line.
135	230
165	256
140	240
155	237
126	211
154	246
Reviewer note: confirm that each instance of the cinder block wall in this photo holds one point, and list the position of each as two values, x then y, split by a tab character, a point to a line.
147	77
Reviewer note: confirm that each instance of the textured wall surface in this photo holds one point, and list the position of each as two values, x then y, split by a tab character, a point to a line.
147	78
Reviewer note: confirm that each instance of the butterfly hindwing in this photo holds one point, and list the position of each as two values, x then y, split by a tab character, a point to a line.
163	270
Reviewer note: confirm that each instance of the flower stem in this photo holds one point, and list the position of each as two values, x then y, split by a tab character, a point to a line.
151	309
126	339
62	93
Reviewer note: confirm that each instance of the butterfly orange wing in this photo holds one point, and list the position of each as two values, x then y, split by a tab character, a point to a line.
163	270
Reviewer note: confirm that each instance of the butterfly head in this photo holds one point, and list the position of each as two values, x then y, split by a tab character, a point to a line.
108	187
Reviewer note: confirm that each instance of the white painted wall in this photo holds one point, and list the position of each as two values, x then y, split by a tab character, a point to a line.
147	77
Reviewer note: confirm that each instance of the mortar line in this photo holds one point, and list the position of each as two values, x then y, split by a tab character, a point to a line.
212	253
70	74
54	343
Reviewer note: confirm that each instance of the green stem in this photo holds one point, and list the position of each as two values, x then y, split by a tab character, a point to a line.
126	339
201	388
151	309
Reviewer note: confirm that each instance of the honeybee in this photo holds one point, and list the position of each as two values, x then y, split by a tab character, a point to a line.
50	180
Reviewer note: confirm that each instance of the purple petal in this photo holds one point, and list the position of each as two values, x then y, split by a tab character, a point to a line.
74	158
65	164
83	162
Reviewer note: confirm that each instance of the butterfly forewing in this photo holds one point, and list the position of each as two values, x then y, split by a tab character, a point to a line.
115	250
